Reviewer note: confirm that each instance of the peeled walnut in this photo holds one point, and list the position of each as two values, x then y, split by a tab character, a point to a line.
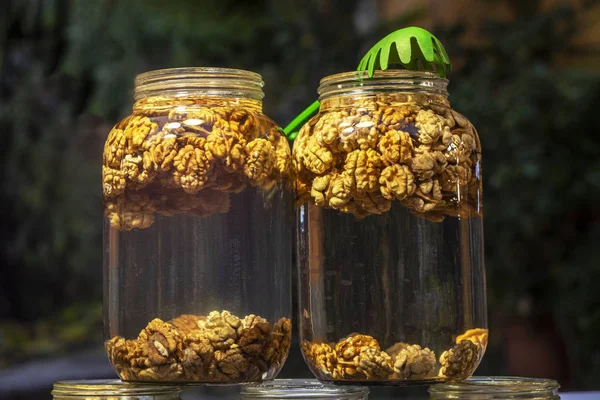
228	365
138	128
164	372
163	153
133	169
460	148
430	125
395	147
414	362
326	130
459	362
126	215
368	364
197	354
278	342
397	182
250	125
128	220
395	349
321	355
130	210
283	162
227	144
260	161
427	196
347	370
339	190
349	347
453	177
186	323
159	342
316	159
365	167
222	329
125	356
193	166
397	116
424	165
115	148
375	364
159	345
254	335
319	187
113	181
479	336
362	135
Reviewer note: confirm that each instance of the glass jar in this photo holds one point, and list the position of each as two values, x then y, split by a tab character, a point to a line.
497	388
390	234
102	389
302	389
198	231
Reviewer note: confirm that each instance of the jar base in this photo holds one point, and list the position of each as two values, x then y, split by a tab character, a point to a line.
401	383
193	383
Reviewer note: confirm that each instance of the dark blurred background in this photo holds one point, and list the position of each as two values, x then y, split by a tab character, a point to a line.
527	74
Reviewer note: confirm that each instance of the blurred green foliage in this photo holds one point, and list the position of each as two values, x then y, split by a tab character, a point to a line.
66	73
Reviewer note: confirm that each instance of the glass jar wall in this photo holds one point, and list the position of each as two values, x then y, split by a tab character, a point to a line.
198	231
390	235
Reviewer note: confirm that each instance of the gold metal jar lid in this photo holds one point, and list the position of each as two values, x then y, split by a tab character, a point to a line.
113	389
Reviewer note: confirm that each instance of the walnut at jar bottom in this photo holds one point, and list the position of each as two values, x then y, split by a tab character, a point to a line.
459	362
219	348
359	357
362	157
183	160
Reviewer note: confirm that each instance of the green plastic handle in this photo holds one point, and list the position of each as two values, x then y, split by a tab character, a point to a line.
412	48
301	119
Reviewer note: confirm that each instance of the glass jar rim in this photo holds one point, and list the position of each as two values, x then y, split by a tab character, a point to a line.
497	385
398	80
211	81
302	389
110	387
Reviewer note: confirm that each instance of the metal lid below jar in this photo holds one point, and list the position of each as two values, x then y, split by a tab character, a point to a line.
497	387
302	389
113	389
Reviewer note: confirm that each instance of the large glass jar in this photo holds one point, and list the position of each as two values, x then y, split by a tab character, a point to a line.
198	231
390	235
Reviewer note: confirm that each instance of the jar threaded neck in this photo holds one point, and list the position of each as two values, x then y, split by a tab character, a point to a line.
358	82
205	81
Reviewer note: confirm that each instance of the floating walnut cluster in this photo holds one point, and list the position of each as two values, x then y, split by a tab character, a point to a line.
220	348
358	156
460	362
360	358
181	156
